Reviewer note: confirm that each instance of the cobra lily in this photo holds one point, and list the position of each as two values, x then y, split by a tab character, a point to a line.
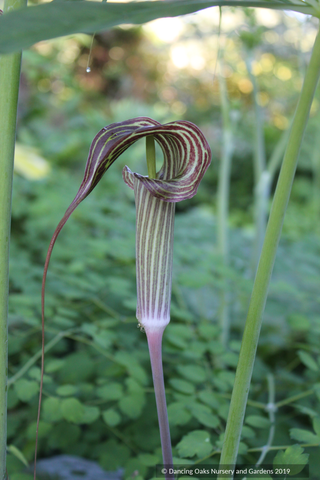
187	156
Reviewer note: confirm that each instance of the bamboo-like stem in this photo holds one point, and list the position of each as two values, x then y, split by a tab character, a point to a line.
265	267
9	89
223	203
154	337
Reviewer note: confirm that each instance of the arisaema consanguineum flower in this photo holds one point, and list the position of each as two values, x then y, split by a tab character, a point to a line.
186	157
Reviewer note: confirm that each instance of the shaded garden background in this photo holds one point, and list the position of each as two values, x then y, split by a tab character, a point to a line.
98	396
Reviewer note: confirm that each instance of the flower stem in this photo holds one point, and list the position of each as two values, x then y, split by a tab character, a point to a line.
154	336
265	267
9	88
151	156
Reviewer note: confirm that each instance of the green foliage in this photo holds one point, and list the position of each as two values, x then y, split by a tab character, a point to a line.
304	436
98	398
26	389
292	456
257	421
308	361
195	443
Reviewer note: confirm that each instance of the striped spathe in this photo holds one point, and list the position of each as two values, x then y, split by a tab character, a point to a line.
186	155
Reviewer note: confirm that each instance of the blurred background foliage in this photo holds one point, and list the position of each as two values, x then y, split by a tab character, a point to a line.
98	397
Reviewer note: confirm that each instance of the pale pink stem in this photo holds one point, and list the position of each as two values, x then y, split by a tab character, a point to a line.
154	337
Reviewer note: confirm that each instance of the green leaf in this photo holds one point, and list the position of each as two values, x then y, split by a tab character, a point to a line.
12	398
304	436
208	331
63	435
103	338
176	341
90	414
54	365
89	328
247	432
192	372
133	386
21	476
133	367
137	372
223	411
177	413
308	361
23	28
114	455
299	322
195	443
26	389
18	454
306	410
148	460
35	374
111	417
182	386
316	387
52	409
66	390
257	421
230	359
204	415
72	410
44	429
132	467
243	448
132	404
316	425
292	456
209	398
111	391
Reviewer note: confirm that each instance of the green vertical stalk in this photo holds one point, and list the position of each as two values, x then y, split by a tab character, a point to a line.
277	154
223	203
315	160
265	267
260	179
9	88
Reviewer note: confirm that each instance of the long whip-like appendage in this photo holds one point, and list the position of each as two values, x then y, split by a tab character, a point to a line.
44	278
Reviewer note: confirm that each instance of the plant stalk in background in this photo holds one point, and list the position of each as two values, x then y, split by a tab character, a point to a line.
187	156
267	258
261	186
223	202
9	88
315	161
